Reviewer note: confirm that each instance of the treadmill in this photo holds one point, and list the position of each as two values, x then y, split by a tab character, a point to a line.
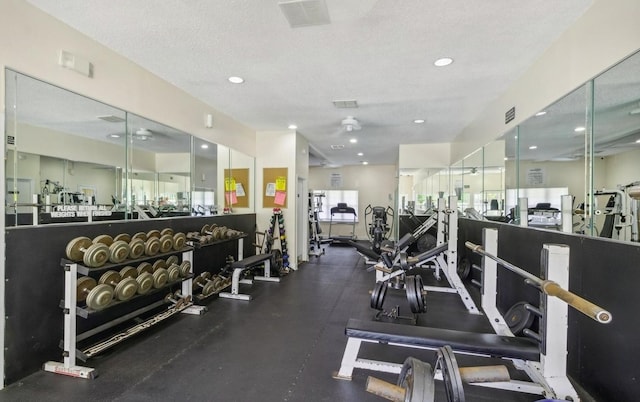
342	208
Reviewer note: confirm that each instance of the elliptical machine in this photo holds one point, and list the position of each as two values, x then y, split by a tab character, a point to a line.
378	228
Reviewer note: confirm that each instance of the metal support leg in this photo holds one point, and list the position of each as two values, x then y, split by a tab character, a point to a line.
187	288
235	287
267	274
348	359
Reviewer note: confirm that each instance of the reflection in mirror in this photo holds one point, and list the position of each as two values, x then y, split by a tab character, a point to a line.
63	153
551	159
419	189
616	138
472	200
494	181
456	180
154	147
205	177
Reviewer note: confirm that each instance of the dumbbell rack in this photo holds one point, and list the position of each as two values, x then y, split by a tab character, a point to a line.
239	257
72	311
277	221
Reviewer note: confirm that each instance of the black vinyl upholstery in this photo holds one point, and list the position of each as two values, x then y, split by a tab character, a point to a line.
364	249
460	341
251	261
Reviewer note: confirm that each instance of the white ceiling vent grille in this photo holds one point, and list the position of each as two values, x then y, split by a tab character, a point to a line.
304	13
337	146
346	104
111	119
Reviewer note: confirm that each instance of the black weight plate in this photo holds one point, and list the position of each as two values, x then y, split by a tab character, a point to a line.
450	374
518	318
412	297
417	378
464	268
378	295
426	242
276	260
422	303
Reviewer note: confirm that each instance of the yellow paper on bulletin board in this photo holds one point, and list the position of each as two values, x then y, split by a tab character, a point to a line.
281	183
229	184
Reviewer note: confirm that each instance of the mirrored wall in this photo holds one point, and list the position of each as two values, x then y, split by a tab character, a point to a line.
585	145
74	159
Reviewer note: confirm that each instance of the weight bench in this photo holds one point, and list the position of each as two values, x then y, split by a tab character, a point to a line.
239	267
491	345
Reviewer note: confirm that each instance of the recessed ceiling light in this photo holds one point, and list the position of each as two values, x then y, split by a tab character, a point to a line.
541	113
114	135
292	127
236	80
361	154
506	159
445	61
579	129
637	141
418	121
204	146
365	162
533	147
353	140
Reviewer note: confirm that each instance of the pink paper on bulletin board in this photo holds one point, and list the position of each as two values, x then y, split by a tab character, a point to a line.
232	198
281	197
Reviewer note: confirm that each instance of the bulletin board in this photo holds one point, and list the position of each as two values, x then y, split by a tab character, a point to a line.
275	187
236	188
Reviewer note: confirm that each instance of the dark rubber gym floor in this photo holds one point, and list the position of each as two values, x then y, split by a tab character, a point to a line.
281	346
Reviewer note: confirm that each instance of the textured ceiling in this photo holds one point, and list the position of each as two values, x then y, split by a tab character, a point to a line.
378	52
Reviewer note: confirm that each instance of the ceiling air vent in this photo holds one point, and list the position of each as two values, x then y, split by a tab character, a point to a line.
111	119
304	13
345	104
337	146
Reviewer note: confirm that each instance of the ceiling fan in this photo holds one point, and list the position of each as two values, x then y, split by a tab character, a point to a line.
142	134
348	125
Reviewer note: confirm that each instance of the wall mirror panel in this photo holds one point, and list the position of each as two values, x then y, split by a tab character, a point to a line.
63	150
205	177
494	180
616	151
419	189
473	183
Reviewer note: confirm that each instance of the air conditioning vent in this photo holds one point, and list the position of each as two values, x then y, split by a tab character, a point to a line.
304	13
111	119
337	146
345	104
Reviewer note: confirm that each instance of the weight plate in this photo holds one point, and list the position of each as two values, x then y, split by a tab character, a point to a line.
205	229
179	239
217	282
140	235
416	377
110	278
153	233
118	251
100	297
378	295
159	264
152	246
464	268
124	237
84	286
145	267
126	289
206	275
404	265
104	239
174	273
208	289
518	318
185	269
166	231
426	242
276	260
172	260
450	374
76	248
197	283
145	283
96	255
166	243
160	278
136	248
128	272
415	294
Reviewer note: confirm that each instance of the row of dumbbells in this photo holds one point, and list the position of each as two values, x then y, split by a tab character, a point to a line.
212	233
104	248
210	284
123	285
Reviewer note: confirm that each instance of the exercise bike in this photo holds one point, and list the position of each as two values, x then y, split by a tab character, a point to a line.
378	229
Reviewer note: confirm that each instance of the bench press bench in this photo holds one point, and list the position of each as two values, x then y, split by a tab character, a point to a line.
492	345
239	268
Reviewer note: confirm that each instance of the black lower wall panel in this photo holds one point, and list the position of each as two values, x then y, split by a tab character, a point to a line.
35	279
601	358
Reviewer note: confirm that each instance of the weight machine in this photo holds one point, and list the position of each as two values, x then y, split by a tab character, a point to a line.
315	240
378	229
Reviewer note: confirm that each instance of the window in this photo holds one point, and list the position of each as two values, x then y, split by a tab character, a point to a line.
331	199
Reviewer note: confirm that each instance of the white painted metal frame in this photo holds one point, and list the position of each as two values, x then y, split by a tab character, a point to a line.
236	281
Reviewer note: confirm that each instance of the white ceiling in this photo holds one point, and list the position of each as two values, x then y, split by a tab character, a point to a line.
379	52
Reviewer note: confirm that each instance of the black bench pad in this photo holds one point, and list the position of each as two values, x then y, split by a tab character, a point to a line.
364	249
461	341
252	261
